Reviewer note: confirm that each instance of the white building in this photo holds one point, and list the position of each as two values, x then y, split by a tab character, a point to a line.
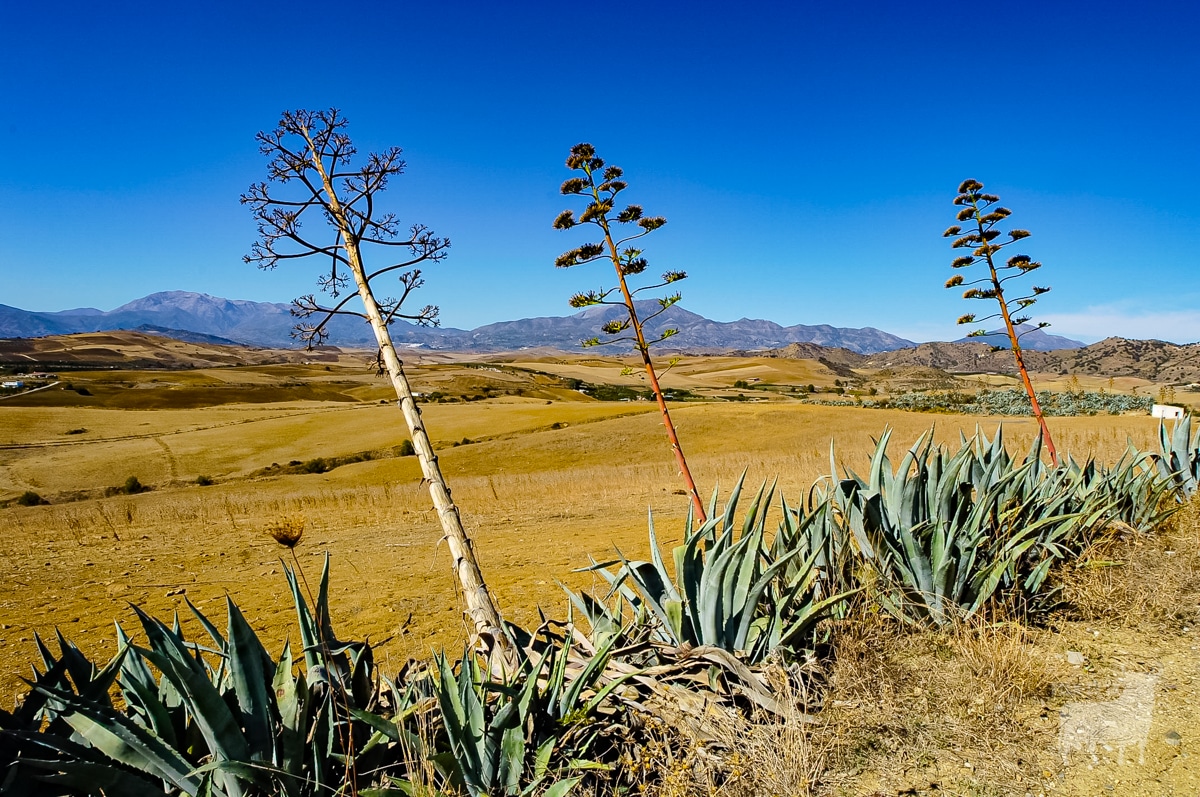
1166	411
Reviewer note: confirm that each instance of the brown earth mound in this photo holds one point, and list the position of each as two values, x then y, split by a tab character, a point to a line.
140	350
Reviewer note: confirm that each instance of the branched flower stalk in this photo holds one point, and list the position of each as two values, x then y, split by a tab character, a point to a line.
982	211
310	153
601	201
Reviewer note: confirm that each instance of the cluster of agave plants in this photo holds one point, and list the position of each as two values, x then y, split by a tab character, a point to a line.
943	535
1016	402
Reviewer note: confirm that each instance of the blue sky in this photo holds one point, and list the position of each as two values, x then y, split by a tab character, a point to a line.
805	154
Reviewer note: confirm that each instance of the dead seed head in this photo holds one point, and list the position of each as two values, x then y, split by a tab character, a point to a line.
954	281
580	155
968	186
287	530
596	210
584	299
573	185
634	265
631	213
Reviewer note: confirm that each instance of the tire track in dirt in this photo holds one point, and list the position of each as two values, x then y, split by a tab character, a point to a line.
172	461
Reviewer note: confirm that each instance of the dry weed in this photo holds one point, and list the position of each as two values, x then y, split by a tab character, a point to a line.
1129	578
724	752
287	530
911	709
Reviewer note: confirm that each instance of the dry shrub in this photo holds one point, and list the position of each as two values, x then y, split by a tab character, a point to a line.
725	752
1003	657
1128	578
960	707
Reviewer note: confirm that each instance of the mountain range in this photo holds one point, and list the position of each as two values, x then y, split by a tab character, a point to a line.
180	313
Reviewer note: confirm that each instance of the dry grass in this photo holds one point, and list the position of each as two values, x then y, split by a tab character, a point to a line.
1129	579
960	710
538	501
545	486
695	748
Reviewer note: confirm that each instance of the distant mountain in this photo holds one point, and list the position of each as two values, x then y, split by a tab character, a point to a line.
270	324
1032	339
695	332
957	357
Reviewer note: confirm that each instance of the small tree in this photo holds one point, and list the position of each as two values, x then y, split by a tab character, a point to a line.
310	152
601	200
982	211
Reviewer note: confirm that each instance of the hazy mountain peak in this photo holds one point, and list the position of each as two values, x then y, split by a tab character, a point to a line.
1031	338
270	324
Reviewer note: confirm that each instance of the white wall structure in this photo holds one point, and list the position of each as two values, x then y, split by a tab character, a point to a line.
1166	411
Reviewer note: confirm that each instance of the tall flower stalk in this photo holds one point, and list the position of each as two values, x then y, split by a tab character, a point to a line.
983	213
628	261
310	170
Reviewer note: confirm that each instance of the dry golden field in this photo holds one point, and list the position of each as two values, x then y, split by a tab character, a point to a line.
548	479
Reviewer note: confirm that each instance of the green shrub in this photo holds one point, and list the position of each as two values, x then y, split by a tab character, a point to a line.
132	486
30	498
405	449
204	481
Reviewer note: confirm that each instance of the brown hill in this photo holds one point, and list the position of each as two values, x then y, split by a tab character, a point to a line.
1150	359
139	350
956	357
1155	360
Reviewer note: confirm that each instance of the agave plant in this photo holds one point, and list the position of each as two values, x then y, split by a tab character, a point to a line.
920	529
731	591
221	718
532	731
1179	462
949	533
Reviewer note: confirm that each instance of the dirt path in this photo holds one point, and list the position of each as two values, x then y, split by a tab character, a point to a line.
172	462
1144	727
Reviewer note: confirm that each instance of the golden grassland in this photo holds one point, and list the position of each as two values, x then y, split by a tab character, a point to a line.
538	500
547	479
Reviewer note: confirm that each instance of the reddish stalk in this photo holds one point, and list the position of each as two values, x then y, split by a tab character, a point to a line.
644	349
583	157
969	196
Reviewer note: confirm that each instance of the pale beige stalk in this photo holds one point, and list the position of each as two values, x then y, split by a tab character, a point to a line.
481	608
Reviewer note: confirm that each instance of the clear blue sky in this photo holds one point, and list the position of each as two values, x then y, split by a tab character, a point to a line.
805	154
